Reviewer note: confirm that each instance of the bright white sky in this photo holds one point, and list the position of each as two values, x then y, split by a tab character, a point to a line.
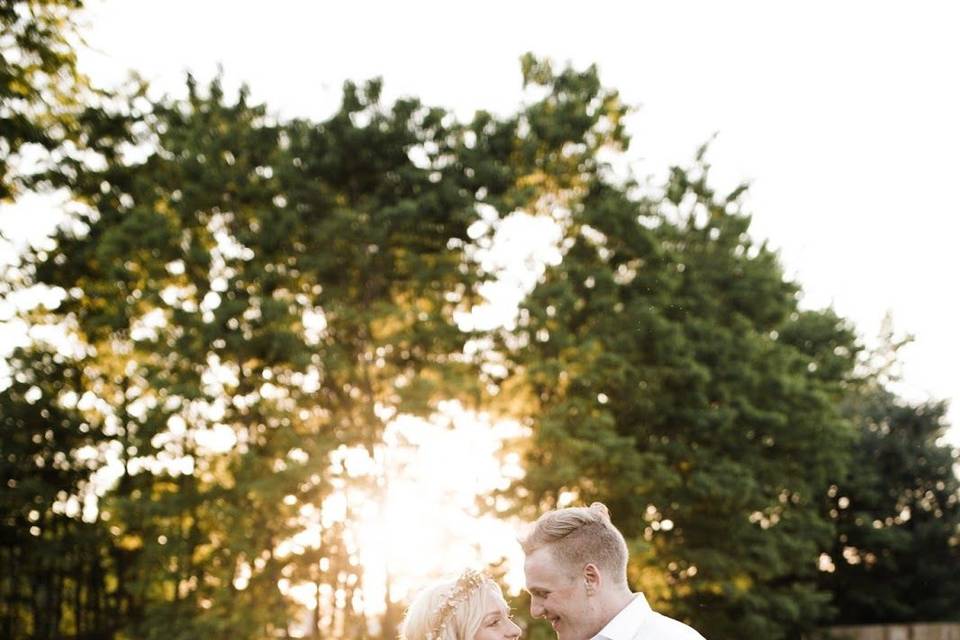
842	115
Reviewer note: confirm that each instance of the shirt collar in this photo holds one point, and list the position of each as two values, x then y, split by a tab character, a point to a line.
624	625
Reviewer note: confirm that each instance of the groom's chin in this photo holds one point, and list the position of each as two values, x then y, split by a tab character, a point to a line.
565	633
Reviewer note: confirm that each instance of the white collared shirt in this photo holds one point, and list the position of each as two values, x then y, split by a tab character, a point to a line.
637	621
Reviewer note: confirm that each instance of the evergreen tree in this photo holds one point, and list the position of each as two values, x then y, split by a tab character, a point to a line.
54	580
250	296
665	369
39	85
897	511
257	295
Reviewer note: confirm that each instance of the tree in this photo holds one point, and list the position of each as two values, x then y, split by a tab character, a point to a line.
39	83
283	288
249	296
897	510
54	579
665	369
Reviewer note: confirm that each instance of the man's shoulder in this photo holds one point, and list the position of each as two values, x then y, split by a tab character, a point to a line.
665	628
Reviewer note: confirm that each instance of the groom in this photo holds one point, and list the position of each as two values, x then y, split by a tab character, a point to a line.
576	574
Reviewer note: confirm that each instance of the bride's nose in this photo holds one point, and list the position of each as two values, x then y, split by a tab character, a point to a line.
514	631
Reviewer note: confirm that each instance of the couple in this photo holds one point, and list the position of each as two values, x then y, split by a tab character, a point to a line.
576	575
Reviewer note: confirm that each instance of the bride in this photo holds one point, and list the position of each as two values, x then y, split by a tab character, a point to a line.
468	608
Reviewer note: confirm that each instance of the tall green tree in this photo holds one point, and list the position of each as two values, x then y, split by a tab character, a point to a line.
257	295
665	368
54	578
248	296
897	511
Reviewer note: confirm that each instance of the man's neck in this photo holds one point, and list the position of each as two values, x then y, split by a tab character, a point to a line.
615	602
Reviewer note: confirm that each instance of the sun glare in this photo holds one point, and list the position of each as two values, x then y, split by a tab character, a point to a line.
421	521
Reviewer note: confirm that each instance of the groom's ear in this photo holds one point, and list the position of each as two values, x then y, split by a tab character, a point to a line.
592	579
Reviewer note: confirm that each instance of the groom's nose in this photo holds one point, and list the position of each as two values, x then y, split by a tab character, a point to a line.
536	609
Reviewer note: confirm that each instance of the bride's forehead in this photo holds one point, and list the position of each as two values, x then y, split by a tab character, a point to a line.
493	601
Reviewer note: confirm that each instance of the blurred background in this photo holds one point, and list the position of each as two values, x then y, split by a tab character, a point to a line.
305	307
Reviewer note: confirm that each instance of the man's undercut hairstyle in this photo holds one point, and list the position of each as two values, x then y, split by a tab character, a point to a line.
578	536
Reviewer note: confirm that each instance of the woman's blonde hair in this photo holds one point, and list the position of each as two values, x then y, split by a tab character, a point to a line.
449	610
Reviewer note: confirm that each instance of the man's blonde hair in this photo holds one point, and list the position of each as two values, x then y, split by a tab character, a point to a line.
578	536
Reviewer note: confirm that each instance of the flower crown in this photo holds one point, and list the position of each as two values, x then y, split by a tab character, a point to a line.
461	591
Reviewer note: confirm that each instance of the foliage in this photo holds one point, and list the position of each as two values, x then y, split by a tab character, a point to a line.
247	297
39	84
665	369
52	557
243	298
897	513
256	296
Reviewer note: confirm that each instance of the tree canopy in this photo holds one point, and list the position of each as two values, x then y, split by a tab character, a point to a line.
668	372
897	513
40	87
242	297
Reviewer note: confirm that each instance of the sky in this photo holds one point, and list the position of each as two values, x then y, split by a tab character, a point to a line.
842	116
